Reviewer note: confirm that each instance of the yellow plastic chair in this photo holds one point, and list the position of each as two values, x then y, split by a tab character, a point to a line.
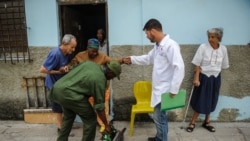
142	92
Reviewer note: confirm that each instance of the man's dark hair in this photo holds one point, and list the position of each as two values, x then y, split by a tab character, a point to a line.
153	24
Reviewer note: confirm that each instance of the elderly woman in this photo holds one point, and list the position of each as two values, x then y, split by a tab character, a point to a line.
209	60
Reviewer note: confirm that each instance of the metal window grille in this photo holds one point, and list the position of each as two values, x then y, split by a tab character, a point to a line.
13	35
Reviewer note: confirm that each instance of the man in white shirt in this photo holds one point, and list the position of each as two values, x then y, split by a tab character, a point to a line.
168	72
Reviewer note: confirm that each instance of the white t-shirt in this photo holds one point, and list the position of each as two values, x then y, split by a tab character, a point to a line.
211	60
104	48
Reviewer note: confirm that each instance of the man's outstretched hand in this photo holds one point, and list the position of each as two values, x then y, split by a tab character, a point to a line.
127	60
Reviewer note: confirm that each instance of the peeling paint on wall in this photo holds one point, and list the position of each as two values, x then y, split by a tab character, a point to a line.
233	109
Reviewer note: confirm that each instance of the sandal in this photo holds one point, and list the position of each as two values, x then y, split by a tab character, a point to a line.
191	127
208	127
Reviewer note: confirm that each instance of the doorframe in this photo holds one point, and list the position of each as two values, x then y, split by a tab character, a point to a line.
82	2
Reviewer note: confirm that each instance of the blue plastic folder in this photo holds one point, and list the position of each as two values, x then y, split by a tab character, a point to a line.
178	101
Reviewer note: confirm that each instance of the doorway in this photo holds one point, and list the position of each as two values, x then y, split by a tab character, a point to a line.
82	21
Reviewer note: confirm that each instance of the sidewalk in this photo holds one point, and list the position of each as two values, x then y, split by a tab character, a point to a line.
21	131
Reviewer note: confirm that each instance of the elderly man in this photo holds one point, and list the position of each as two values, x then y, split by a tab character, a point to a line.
72	92
54	67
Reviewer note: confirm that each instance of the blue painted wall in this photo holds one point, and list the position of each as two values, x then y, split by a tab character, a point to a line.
232	103
185	20
42	22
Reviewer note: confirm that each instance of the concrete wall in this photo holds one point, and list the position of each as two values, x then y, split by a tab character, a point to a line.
234	94
12	92
126	38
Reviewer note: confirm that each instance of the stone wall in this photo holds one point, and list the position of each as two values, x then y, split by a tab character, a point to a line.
235	80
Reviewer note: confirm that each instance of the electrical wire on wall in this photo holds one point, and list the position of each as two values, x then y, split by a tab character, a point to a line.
111	102
142	43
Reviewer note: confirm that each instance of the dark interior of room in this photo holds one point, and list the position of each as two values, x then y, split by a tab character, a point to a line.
82	21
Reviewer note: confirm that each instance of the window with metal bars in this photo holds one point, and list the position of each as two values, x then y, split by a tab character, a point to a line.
13	34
